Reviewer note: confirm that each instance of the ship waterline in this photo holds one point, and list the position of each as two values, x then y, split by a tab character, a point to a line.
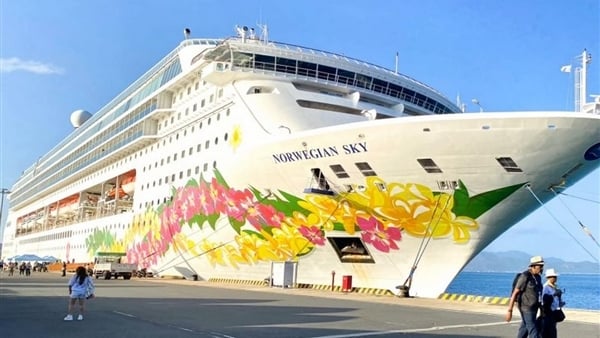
231	155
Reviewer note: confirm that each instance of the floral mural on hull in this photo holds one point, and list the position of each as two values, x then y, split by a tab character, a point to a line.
280	226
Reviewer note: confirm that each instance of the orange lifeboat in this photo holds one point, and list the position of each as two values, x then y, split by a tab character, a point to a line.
115	193
68	205
128	183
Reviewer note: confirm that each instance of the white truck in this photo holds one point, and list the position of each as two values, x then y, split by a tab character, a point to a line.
108	265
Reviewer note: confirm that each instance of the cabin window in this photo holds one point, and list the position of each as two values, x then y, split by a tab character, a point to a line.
509	164
429	165
365	169
339	171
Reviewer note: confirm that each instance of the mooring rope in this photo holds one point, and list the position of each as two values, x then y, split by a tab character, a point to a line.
583	227
424	243
559	223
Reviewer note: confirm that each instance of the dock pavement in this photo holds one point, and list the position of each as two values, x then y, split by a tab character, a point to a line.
154	307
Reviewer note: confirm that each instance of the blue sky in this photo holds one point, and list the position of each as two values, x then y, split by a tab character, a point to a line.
60	56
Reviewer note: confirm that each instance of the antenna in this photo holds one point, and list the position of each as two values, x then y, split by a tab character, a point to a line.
397	56
264	33
186	33
477	103
585	59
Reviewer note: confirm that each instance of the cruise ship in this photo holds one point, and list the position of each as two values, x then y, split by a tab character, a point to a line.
247	159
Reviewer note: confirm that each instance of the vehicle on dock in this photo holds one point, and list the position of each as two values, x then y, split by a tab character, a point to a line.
109	265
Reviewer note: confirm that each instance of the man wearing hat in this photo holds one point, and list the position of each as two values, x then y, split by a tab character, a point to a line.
551	300
528	294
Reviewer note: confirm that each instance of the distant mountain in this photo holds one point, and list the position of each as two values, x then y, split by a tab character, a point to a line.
510	261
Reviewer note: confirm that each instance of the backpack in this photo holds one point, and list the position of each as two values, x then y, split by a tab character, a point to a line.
514	283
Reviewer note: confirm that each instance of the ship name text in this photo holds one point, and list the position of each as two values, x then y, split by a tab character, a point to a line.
315	153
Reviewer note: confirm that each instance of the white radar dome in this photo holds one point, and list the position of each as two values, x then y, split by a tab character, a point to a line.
79	117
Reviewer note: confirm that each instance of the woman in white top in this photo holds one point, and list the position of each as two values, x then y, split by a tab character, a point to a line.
80	287
551	301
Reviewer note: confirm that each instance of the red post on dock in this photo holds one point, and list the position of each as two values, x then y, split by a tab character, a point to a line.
346	283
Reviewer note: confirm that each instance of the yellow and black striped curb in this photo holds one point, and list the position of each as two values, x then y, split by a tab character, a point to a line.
237	281
368	291
475	299
337	288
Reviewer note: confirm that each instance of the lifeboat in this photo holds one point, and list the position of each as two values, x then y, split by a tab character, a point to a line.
115	193
68	205
128	183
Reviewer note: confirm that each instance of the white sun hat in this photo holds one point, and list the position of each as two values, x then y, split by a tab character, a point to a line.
551	273
536	260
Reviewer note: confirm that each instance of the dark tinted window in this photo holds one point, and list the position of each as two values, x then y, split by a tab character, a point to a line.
345	76
286	65
326	73
264	62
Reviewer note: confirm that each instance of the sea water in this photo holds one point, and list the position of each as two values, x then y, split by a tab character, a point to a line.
581	291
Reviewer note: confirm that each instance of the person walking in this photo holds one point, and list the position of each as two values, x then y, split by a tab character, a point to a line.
551	301
527	294
63	269
79	286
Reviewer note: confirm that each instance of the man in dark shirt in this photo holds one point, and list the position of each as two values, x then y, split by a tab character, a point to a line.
527	293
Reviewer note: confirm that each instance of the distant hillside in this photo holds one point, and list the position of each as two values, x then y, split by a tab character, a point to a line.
510	261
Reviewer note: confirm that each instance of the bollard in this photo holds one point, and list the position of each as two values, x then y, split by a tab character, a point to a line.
332	280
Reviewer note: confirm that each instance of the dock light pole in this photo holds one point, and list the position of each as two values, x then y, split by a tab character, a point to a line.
3	192
476	102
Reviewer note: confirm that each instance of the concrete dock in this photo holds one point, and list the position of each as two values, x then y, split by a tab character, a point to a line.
35	306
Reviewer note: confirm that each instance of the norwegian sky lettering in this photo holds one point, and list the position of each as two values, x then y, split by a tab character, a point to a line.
316	153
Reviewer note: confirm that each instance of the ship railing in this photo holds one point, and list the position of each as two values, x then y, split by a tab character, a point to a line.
338	80
305	50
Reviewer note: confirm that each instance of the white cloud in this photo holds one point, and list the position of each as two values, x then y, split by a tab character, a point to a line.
15	64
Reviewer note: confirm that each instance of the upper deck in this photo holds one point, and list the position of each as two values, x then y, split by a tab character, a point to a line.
120	123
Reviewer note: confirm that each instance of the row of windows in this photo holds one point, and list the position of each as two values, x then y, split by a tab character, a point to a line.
68	234
172	178
190	151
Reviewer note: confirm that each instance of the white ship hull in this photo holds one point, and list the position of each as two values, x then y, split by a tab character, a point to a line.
236	173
